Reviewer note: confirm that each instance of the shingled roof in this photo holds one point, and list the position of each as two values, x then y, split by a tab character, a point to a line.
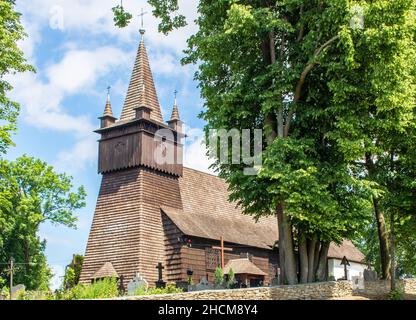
208	214
106	271
347	249
142	91
243	266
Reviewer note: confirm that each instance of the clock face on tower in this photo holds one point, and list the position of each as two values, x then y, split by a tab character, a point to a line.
119	147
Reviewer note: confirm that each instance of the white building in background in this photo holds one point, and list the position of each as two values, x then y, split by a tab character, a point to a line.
356	261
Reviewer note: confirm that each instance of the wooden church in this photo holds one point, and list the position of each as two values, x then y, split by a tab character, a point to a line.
152	214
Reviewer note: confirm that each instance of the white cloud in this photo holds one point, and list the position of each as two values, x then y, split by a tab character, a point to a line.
42	100
83	154
79	69
195	151
96	17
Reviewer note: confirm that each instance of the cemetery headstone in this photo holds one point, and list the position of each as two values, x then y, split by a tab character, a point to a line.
358	282
202	285
370	275
16	289
137	283
275	282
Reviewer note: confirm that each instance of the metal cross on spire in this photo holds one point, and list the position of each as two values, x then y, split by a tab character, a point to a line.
142	30
176	96
108	93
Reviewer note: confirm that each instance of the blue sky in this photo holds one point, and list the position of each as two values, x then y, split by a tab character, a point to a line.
78	52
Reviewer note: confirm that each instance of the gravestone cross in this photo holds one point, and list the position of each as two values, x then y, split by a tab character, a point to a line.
160	268
222	248
160	283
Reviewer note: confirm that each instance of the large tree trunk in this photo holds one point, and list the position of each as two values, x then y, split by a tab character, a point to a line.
303	257
393	255
383	240
322	264
286	244
311	257
274	130
381	225
316	258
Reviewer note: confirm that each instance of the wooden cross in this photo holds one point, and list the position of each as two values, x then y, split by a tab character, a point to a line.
222	248
345	263
160	267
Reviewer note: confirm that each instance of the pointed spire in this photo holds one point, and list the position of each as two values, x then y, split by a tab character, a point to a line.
142	91
108	111
175	113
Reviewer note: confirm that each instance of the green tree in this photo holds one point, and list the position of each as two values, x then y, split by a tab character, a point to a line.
11	61
32	193
376	131
73	272
265	64
332	85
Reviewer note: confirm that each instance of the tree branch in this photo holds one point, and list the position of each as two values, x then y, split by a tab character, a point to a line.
301	81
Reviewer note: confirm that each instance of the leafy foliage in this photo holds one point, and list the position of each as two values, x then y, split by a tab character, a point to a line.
32	193
73	272
121	17
396	295
170	288
106	288
329	95
11	61
166	10
231	279
218	277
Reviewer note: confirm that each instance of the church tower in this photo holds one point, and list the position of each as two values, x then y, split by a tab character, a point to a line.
140	160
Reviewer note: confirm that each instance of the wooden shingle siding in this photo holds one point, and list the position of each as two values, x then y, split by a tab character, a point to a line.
141	89
115	231
173	247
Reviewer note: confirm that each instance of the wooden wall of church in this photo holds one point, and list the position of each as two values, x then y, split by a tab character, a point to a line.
173	247
127	226
115	231
203	261
158	190
196	258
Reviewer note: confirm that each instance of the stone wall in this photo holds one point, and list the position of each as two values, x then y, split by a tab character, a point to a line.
314	291
409	286
382	287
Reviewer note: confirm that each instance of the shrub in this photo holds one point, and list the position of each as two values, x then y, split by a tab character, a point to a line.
231	279
33	295
103	289
170	288
5	293
219	277
395	295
